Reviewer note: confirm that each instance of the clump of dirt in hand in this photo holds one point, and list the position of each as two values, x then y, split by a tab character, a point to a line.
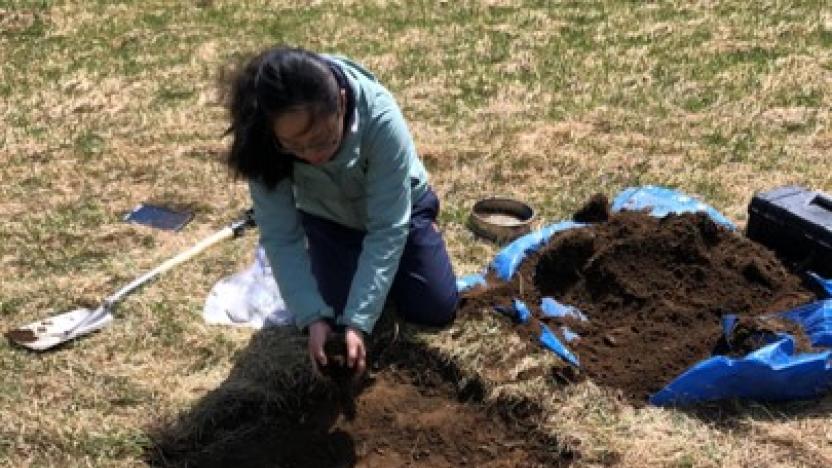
345	384
336	368
596	210
654	291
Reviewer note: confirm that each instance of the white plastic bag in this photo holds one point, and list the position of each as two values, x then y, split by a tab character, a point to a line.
249	298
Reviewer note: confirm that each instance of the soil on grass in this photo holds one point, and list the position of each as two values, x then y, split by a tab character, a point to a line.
21	335
654	290
596	210
752	333
411	413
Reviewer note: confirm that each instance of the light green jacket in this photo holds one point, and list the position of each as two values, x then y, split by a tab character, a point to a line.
366	186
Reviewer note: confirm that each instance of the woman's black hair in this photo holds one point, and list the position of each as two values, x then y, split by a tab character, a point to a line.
272	83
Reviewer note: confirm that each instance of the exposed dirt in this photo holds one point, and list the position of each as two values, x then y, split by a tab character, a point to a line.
596	210
752	333
336	369
341	376
409	414
21	335
654	290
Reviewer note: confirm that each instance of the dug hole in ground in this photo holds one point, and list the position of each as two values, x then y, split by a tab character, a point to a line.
271	411
655	290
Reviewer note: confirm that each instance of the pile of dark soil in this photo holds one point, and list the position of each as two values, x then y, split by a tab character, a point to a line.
653	289
411	413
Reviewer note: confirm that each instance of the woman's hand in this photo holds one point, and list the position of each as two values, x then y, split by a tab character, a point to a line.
356	351
319	331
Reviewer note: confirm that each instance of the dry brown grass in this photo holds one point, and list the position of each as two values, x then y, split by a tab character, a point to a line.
105	106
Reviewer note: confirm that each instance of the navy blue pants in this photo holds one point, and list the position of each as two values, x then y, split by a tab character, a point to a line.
424	288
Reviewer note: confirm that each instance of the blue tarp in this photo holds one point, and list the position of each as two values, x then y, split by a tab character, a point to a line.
518	311
551	342
553	308
464	283
509	258
662	201
816	321
773	372
568	334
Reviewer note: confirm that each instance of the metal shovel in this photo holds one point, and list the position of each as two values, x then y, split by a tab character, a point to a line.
50	332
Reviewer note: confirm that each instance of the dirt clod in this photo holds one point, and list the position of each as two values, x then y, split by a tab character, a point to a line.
21	335
344	383
596	210
336	368
751	333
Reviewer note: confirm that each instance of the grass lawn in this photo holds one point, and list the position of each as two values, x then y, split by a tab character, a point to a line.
106	104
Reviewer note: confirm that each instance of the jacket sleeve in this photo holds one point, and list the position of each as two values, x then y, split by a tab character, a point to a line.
283	239
389	149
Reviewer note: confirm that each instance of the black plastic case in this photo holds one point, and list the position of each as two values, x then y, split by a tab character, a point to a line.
796	223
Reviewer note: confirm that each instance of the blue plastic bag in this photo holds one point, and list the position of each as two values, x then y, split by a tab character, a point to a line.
816	321
772	372
523	313
551	342
662	201
568	334
553	308
518	311
512	255
467	282
729	321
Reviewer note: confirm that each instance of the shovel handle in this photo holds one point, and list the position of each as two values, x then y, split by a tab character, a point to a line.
221	235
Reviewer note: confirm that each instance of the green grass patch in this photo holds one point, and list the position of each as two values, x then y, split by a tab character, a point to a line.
124	444
812	97
220	349
89	143
699	101
168	328
10	305
123	391
169	95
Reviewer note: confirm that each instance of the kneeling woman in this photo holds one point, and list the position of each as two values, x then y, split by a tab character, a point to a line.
342	200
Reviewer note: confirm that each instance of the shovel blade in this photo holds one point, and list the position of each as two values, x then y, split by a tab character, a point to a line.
50	332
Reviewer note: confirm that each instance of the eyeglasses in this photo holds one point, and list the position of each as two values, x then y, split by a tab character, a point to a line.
327	142
330	138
